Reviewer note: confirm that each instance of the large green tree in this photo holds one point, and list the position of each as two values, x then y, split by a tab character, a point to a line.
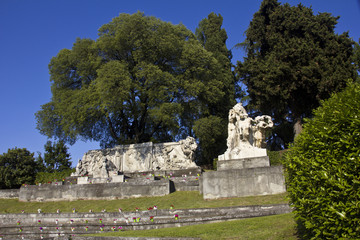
17	167
56	157
211	128
142	80
294	59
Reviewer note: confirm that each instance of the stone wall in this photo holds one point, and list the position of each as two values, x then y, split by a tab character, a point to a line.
242	182
59	226
94	191
9	193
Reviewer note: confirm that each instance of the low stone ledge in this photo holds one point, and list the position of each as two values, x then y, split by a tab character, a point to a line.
132	238
9	193
163	219
94	191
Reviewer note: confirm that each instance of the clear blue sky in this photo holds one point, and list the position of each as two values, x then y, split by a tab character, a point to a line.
33	31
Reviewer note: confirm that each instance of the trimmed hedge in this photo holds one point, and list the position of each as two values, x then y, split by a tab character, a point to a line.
323	169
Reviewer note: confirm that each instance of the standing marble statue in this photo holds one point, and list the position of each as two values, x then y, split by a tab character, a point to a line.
246	136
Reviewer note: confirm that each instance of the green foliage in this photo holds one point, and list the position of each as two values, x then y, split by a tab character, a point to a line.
323	169
357	56
210	131
142	80
276	157
210	128
294	60
17	167
56	157
46	177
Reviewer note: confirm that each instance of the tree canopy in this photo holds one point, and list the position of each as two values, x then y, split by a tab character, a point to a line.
142	80
17	167
211	129
294	60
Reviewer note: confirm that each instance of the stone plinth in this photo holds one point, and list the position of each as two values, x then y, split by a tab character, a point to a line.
117	178
253	162
83	180
243	182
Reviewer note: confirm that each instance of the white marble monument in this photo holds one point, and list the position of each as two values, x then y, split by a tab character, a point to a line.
246	140
108	163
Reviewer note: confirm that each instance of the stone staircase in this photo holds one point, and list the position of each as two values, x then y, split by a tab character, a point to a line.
72	225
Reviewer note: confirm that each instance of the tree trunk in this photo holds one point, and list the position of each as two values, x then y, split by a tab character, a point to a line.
297	127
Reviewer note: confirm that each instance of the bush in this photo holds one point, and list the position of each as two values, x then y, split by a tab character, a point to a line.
46	177
323	169
276	157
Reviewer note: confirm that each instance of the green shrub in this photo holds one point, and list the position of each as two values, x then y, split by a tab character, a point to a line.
323	169
46	177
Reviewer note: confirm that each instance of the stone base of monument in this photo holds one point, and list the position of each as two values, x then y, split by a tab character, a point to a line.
90	180
242	182
251	162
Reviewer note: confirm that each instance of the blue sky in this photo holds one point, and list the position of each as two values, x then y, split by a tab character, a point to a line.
33	31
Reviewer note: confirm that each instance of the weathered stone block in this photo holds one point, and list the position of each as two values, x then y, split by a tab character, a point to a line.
243	182
243	163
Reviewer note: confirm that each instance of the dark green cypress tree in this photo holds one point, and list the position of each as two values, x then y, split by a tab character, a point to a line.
294	60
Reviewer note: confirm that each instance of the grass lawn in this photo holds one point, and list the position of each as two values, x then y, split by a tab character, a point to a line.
180	200
270	228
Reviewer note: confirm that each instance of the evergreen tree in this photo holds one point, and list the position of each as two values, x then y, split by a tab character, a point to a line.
56	157
17	167
294	60
211	129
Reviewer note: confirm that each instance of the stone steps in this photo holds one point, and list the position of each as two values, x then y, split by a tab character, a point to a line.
162	219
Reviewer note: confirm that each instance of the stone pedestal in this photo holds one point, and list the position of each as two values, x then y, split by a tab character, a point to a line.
244	169
83	180
117	178
243	182
243	163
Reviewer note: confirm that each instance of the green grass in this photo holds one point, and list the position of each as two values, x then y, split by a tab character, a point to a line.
270	228
180	200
